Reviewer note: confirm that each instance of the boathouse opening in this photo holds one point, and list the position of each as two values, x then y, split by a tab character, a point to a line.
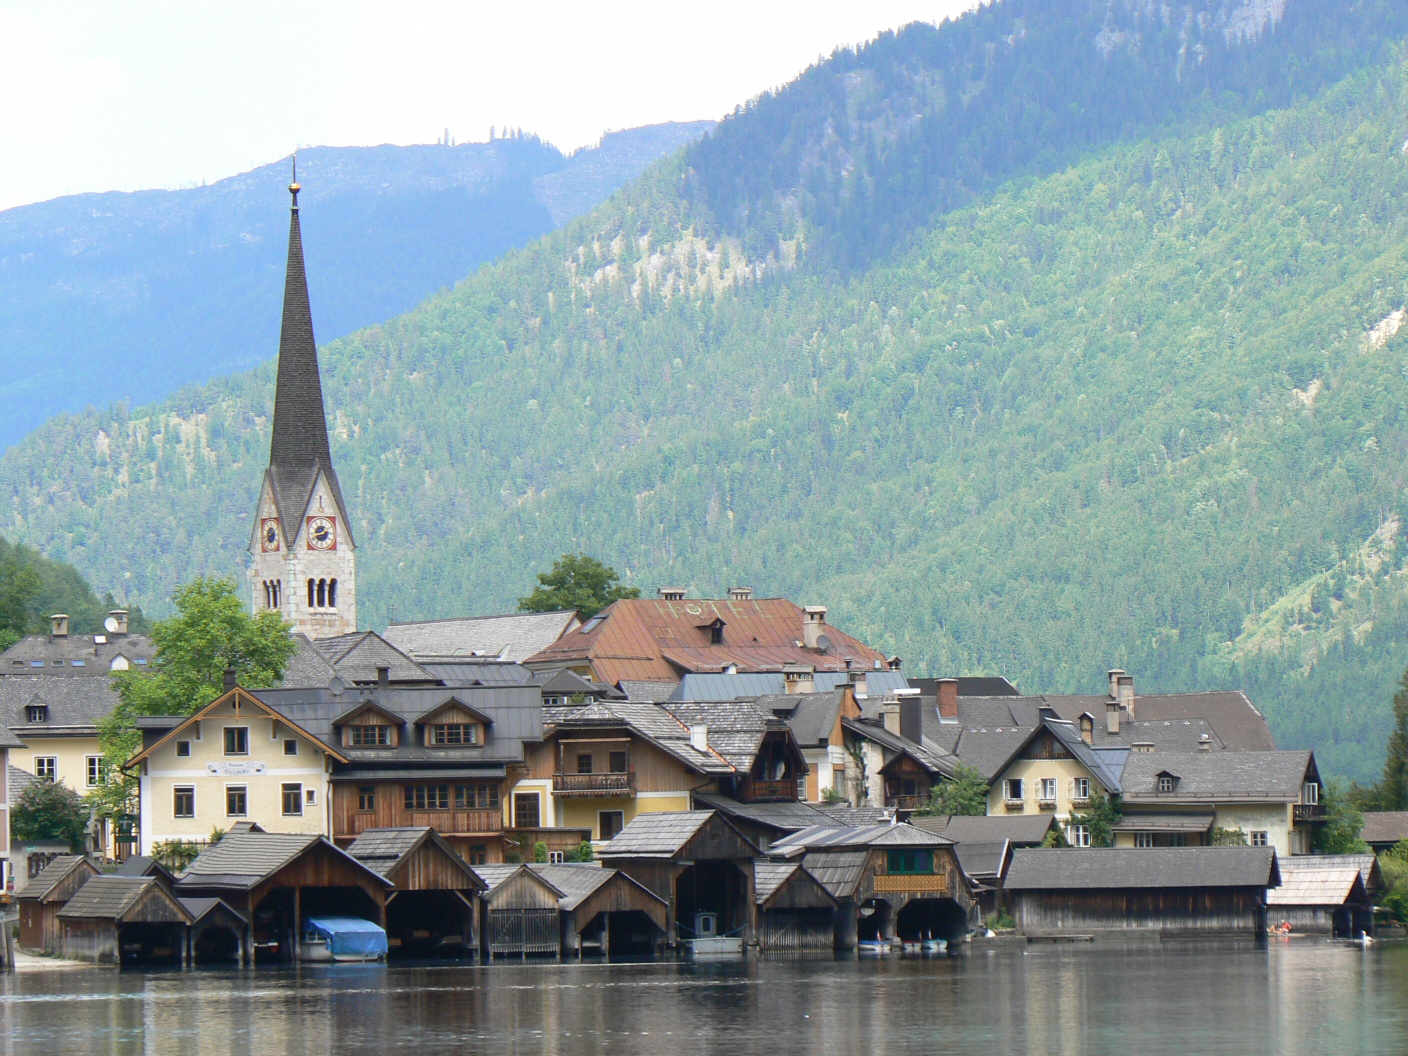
429	924
876	920
622	933
142	943
937	918
280	914
715	892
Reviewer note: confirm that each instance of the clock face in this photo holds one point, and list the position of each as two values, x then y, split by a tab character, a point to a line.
322	533
269	535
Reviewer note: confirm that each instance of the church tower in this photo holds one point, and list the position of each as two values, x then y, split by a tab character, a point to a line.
305	564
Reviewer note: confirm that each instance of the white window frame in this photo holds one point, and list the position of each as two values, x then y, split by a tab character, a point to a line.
290	742
1046	790
557	857
1310	793
310	796
1166	783
1008	785
1078	835
1259	838
1143	839
93	770
49	763
1080	788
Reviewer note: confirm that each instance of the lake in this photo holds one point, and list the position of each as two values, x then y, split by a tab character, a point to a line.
1304	996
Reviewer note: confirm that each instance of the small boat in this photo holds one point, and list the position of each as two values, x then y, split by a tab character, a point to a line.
875	946
342	939
933	945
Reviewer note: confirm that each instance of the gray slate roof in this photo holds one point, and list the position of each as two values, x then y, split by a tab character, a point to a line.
97	656
1217	776
356	657
736	728
927	753
708	686
141	865
478	673
382	850
241	860
107	897
652	691
837	871
496	874
1383	826
983	862
785	817
1235	721
991	751
1020	830
50	876
769	876
515	636
199	907
812	716
656	835
652	723
19	781
824	836
848	815
576	882
75	702
1066	869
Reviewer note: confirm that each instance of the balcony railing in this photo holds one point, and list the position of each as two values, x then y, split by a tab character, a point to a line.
594	784
755	790
906	802
1309	812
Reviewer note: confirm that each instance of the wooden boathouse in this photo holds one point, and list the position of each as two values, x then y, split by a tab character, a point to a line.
41	899
433	910
1164	891
125	920
603	910
520	914
795	912
1322	894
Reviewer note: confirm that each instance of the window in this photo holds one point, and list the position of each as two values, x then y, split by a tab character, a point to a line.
236	740
293	801
79	663
802	788
911	861
46	767
37	713
1078	835
556	857
1012	789
476	797
526	810
1080	788
1166	783
95	770
609	823
1143	839
455	733
183	803
478	854
236	801
584	763
1259	839
1177	839
311	796
366	798
141	661
1310	792
1048	790
427	797
619	763
1141	746
369	736
183	749
290	746
36	663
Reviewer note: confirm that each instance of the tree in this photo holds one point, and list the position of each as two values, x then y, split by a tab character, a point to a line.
1101	816
576	581
966	792
1392	791
210	633
48	810
1340	834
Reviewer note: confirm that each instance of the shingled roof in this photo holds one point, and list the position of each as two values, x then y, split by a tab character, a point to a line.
383	850
1218	776
1090	868
1317	886
515	636
119	898
53	874
242	860
1021	830
735	728
838	837
650	722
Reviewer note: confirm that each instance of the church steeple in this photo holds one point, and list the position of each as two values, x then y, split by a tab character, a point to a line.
304	566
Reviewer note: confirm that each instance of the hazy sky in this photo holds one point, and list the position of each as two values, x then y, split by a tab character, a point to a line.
119	96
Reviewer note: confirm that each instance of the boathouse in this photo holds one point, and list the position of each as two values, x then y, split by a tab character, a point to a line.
1164	891
217	934
277	880
432	911
125	920
41	899
604	911
699	863
893	882
1322	894
520	914
795	912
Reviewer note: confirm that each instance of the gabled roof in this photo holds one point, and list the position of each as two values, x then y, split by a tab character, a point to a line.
771	877
1367	864
364	706
651	691
1233	719
1020	830
735	728
356	657
116	898
838	871
456	703
664	834
495	875
243	860
1090	868
514	636
383	850
984	862
650	722
245	698
52	875
75	702
1317	886
992	755
1385	826
141	865
199	908
1272	777
651	639
19	781
812	716
928	754
780	817
831	837
579	882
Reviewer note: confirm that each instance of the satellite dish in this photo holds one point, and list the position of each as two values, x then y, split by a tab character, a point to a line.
823	644
110	625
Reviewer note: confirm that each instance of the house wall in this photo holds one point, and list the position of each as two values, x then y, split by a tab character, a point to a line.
348	819
72	754
1213	910
210	771
1031	771
1274	819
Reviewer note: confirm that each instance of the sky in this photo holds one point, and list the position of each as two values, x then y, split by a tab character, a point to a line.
141	94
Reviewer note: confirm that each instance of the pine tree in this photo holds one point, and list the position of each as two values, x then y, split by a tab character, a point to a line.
1393	787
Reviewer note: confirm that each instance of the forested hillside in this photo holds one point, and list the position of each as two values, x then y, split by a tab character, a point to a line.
1142	407
116	296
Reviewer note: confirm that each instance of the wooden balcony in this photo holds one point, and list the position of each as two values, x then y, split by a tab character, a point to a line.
756	790
594	784
906	802
1303	812
455	822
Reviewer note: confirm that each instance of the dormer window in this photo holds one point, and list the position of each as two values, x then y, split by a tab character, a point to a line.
37	713
1167	782
368	736
452	734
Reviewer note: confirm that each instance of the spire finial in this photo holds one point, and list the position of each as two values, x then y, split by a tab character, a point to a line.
293	187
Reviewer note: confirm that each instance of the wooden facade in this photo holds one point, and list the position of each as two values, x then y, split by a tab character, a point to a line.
907	784
1212	910
354	812
798	913
152	929
41	899
520	916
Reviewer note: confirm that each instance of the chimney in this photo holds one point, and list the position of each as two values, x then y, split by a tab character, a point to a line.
119	618
890	713
911	719
383	676
740	593
813	625
798	678
1112	717
671	593
948	699
58	625
1087	728
230	680
1126	694
1205	743
699	737
858	680
1114	675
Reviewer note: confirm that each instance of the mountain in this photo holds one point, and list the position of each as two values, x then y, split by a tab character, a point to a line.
1121	393
118	296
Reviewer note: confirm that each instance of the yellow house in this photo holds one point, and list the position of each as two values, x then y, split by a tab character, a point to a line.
235	760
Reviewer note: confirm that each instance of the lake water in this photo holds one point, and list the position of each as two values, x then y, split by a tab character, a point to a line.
1301	997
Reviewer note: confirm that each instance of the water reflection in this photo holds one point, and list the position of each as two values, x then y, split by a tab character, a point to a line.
1294	999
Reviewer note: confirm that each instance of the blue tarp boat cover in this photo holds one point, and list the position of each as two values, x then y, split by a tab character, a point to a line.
350	936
